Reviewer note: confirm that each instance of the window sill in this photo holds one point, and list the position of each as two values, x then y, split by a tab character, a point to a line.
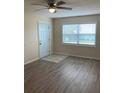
80	45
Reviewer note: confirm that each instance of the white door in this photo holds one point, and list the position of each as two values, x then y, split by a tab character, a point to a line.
44	40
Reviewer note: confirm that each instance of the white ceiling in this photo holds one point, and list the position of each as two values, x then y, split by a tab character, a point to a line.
79	8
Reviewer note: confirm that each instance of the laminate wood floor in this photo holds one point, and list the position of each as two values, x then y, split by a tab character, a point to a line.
72	75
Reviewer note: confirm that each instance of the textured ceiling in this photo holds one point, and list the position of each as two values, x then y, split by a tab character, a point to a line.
79	8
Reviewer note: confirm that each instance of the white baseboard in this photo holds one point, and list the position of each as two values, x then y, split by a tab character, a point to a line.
77	56
31	61
61	54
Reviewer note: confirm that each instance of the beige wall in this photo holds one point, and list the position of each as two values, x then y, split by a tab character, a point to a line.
93	52
31	35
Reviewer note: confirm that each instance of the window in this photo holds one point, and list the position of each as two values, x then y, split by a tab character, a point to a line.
79	34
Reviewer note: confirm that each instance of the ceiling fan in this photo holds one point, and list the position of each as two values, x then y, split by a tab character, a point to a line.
51	5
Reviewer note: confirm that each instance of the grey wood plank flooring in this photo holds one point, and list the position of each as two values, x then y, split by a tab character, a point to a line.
72	75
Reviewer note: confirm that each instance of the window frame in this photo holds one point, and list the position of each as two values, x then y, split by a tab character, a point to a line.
82	45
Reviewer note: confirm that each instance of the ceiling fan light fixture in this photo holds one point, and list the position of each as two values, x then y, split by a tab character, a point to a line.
52	10
53	5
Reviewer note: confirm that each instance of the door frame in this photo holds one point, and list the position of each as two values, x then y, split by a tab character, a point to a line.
39	40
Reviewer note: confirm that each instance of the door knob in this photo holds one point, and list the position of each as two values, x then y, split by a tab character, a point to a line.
40	43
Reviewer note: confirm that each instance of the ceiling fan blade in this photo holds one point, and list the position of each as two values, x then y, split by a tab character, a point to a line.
39	4
60	3
39	1
66	8
51	1
35	4
36	10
